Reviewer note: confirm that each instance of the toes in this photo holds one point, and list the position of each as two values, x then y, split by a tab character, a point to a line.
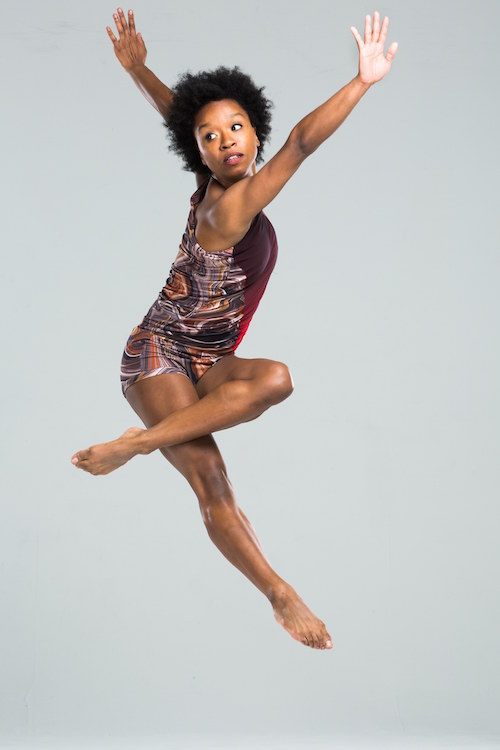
316	638
326	638
310	640
80	456
321	640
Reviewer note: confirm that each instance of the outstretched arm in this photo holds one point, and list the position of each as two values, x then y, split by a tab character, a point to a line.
131	52
242	201
314	129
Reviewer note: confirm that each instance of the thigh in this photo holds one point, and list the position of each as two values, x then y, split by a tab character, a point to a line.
232	367
153	399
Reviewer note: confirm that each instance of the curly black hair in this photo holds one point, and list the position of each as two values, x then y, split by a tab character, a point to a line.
192	92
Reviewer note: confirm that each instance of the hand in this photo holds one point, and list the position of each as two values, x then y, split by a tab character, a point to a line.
372	64
106	457
129	48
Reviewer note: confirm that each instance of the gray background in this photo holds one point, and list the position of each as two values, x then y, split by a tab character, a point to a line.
374	488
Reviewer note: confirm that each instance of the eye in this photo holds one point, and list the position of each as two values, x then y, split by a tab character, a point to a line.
209	137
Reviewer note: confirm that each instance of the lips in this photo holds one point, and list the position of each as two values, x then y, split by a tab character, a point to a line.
232	158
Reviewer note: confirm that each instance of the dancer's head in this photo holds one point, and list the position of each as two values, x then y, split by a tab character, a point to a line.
217	112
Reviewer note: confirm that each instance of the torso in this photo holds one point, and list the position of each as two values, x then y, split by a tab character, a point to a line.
206	304
210	297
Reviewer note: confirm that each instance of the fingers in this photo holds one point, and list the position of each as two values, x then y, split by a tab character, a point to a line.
131	22
128	37
383	32
121	23
118	24
111	35
368	29
357	36
393	48
376	26
379	33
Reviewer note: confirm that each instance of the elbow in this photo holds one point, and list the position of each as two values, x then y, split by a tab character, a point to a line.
297	143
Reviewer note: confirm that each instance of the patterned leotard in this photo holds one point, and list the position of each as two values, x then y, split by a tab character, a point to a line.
206	305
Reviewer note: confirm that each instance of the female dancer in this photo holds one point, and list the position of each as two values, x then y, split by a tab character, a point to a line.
179	370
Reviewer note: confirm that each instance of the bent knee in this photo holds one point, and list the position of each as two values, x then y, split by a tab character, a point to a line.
278	382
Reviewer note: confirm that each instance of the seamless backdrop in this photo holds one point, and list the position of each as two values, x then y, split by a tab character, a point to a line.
374	488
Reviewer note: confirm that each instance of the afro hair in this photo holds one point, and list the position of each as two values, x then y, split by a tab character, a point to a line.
192	92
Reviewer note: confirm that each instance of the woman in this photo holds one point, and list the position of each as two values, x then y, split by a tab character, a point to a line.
179	370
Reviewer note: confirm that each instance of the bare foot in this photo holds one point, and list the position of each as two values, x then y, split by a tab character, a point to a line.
106	457
298	620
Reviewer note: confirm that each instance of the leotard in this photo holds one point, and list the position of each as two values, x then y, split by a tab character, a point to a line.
206	305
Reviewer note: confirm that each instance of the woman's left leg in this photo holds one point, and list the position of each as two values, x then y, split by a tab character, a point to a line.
232	391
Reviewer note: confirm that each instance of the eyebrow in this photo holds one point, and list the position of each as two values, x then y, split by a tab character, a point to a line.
207	124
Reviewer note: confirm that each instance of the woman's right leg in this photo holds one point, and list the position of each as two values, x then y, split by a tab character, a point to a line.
202	465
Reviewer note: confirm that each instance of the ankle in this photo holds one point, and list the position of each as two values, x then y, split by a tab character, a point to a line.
280	592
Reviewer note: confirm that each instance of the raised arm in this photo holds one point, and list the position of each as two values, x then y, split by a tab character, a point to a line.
236	207
131	52
314	129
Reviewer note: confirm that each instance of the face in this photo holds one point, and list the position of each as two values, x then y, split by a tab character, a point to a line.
226	139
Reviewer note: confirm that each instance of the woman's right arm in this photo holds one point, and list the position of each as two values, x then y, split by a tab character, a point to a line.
131	52
152	88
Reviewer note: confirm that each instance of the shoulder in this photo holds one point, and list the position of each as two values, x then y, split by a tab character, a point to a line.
222	235
247	197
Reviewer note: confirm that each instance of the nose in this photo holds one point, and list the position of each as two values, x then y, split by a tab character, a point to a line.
227	141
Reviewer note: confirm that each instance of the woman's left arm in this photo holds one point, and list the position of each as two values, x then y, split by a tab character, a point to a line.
319	125
243	200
